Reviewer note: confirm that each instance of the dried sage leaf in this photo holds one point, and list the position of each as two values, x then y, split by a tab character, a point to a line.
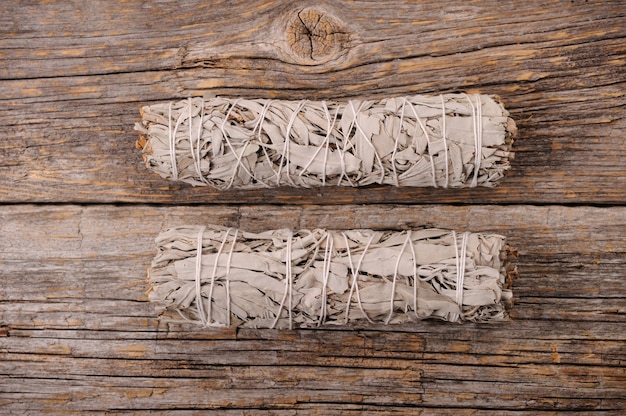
451	140
219	276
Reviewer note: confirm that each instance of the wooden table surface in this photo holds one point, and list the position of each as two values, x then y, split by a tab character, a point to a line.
79	211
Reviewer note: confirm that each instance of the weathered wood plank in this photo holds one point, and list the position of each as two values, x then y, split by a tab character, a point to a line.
363	358
72	81
77	332
343	368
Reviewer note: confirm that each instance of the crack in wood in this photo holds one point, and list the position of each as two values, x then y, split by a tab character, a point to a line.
314	37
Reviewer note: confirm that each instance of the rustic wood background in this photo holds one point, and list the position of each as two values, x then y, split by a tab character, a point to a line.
79	211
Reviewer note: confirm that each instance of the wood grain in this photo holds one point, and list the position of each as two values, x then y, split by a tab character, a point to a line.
73	79
79	212
79	333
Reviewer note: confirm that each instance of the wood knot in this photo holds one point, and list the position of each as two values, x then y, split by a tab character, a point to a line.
314	37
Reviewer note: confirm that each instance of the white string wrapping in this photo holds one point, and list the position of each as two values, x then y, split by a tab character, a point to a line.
310	278
460	257
450	140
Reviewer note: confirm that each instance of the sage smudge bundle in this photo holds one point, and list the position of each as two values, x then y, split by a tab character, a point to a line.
219	276
451	140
